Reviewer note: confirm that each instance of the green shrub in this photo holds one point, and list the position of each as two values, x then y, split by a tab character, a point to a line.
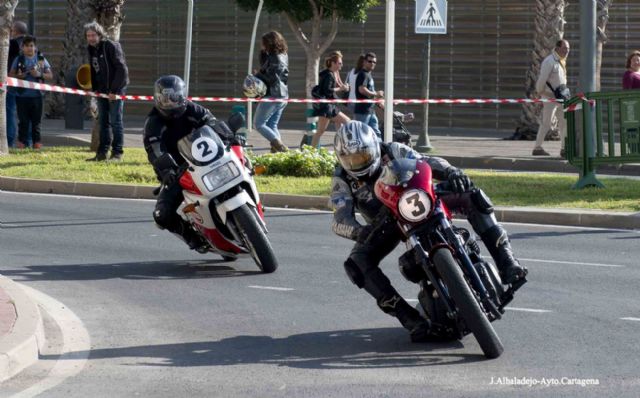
308	162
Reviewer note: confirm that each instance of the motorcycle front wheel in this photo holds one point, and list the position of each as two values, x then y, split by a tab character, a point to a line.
468	306
254	238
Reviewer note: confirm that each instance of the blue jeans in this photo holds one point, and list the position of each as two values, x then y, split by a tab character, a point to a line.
12	128
371	120
110	115
267	117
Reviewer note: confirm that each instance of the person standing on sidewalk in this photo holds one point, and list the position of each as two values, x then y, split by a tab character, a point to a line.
631	78
329	85
365	89
351	81
18	31
32	67
274	71
109	75
553	74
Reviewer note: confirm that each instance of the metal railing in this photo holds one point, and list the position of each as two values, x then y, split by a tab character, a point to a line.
602	128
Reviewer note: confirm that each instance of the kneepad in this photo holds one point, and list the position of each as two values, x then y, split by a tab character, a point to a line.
353	272
161	219
481	201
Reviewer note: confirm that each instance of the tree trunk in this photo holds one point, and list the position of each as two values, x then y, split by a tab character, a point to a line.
75	52
107	13
549	28
7	10
602	19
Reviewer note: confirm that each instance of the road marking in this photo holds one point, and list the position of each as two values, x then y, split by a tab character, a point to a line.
411	300
572	263
282	289
527	309
75	349
630	319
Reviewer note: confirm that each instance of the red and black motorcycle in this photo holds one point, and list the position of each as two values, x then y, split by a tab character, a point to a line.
461	292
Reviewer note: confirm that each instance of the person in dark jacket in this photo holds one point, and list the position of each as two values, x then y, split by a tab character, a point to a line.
109	75
274	71
330	86
18	32
361	156
172	118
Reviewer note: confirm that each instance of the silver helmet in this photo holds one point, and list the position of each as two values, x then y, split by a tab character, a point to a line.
253	87
357	149
170	96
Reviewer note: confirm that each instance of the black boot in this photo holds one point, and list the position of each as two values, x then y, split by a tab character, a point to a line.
497	241
193	239
419	328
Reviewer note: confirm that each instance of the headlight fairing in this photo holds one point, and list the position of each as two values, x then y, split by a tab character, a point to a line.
220	175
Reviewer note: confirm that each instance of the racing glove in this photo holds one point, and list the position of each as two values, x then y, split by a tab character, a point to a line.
459	181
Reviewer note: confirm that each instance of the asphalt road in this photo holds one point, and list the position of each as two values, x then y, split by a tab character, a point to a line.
166	322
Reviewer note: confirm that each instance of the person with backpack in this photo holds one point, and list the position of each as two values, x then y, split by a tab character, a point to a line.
329	85
18	31
33	67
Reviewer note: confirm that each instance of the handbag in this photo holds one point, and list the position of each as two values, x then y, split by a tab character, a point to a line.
561	92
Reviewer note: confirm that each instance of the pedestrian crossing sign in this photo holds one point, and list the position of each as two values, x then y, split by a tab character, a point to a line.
431	17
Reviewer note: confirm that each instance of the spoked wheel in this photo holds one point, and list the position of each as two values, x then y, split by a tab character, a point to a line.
254	238
465	300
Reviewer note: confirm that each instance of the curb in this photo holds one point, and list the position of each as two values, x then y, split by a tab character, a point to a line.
567	217
20	347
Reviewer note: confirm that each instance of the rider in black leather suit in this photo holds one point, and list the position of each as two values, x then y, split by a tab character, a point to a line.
360	155
172	118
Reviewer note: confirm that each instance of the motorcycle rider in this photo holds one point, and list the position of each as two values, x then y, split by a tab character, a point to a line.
172	118
361	155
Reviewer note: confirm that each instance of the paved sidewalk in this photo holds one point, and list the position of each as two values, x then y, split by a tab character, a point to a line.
20	323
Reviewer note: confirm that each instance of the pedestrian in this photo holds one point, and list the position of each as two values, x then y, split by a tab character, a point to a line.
631	77
109	75
18	31
365	89
330	86
552	79
351	81
274	71
32	67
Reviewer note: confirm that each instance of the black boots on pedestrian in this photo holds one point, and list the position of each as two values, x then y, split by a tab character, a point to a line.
497	242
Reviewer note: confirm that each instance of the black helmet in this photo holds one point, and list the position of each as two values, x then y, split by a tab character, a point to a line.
357	149
170	96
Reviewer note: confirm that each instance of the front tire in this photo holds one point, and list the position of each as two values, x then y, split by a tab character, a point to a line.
467	304
254	238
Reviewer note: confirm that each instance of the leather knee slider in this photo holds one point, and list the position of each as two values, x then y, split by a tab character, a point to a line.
481	201
353	272
160	218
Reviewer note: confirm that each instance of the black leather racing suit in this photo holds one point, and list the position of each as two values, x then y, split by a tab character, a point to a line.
350	194
161	136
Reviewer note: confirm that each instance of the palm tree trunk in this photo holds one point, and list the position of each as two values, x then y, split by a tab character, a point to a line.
7	10
602	19
549	28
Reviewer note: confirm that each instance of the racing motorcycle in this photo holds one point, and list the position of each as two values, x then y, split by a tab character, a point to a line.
461	293
221	201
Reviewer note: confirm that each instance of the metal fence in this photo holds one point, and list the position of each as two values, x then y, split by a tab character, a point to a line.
485	54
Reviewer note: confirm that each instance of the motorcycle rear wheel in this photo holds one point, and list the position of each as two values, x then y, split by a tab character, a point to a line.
255	239
467	304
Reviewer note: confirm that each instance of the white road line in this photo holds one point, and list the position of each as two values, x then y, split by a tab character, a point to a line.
282	289
571	263
76	344
411	300
527	309
630	319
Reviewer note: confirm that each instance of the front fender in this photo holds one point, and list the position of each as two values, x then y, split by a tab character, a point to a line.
233	203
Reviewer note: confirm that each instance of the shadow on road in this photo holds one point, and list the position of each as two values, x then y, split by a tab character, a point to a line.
340	349
185	269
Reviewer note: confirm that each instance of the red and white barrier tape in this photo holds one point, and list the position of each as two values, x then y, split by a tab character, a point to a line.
13	82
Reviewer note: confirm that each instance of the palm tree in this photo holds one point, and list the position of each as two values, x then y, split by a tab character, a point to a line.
7	11
601	21
75	49
549	28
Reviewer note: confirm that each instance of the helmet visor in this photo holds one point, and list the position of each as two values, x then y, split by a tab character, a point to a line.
357	161
169	99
